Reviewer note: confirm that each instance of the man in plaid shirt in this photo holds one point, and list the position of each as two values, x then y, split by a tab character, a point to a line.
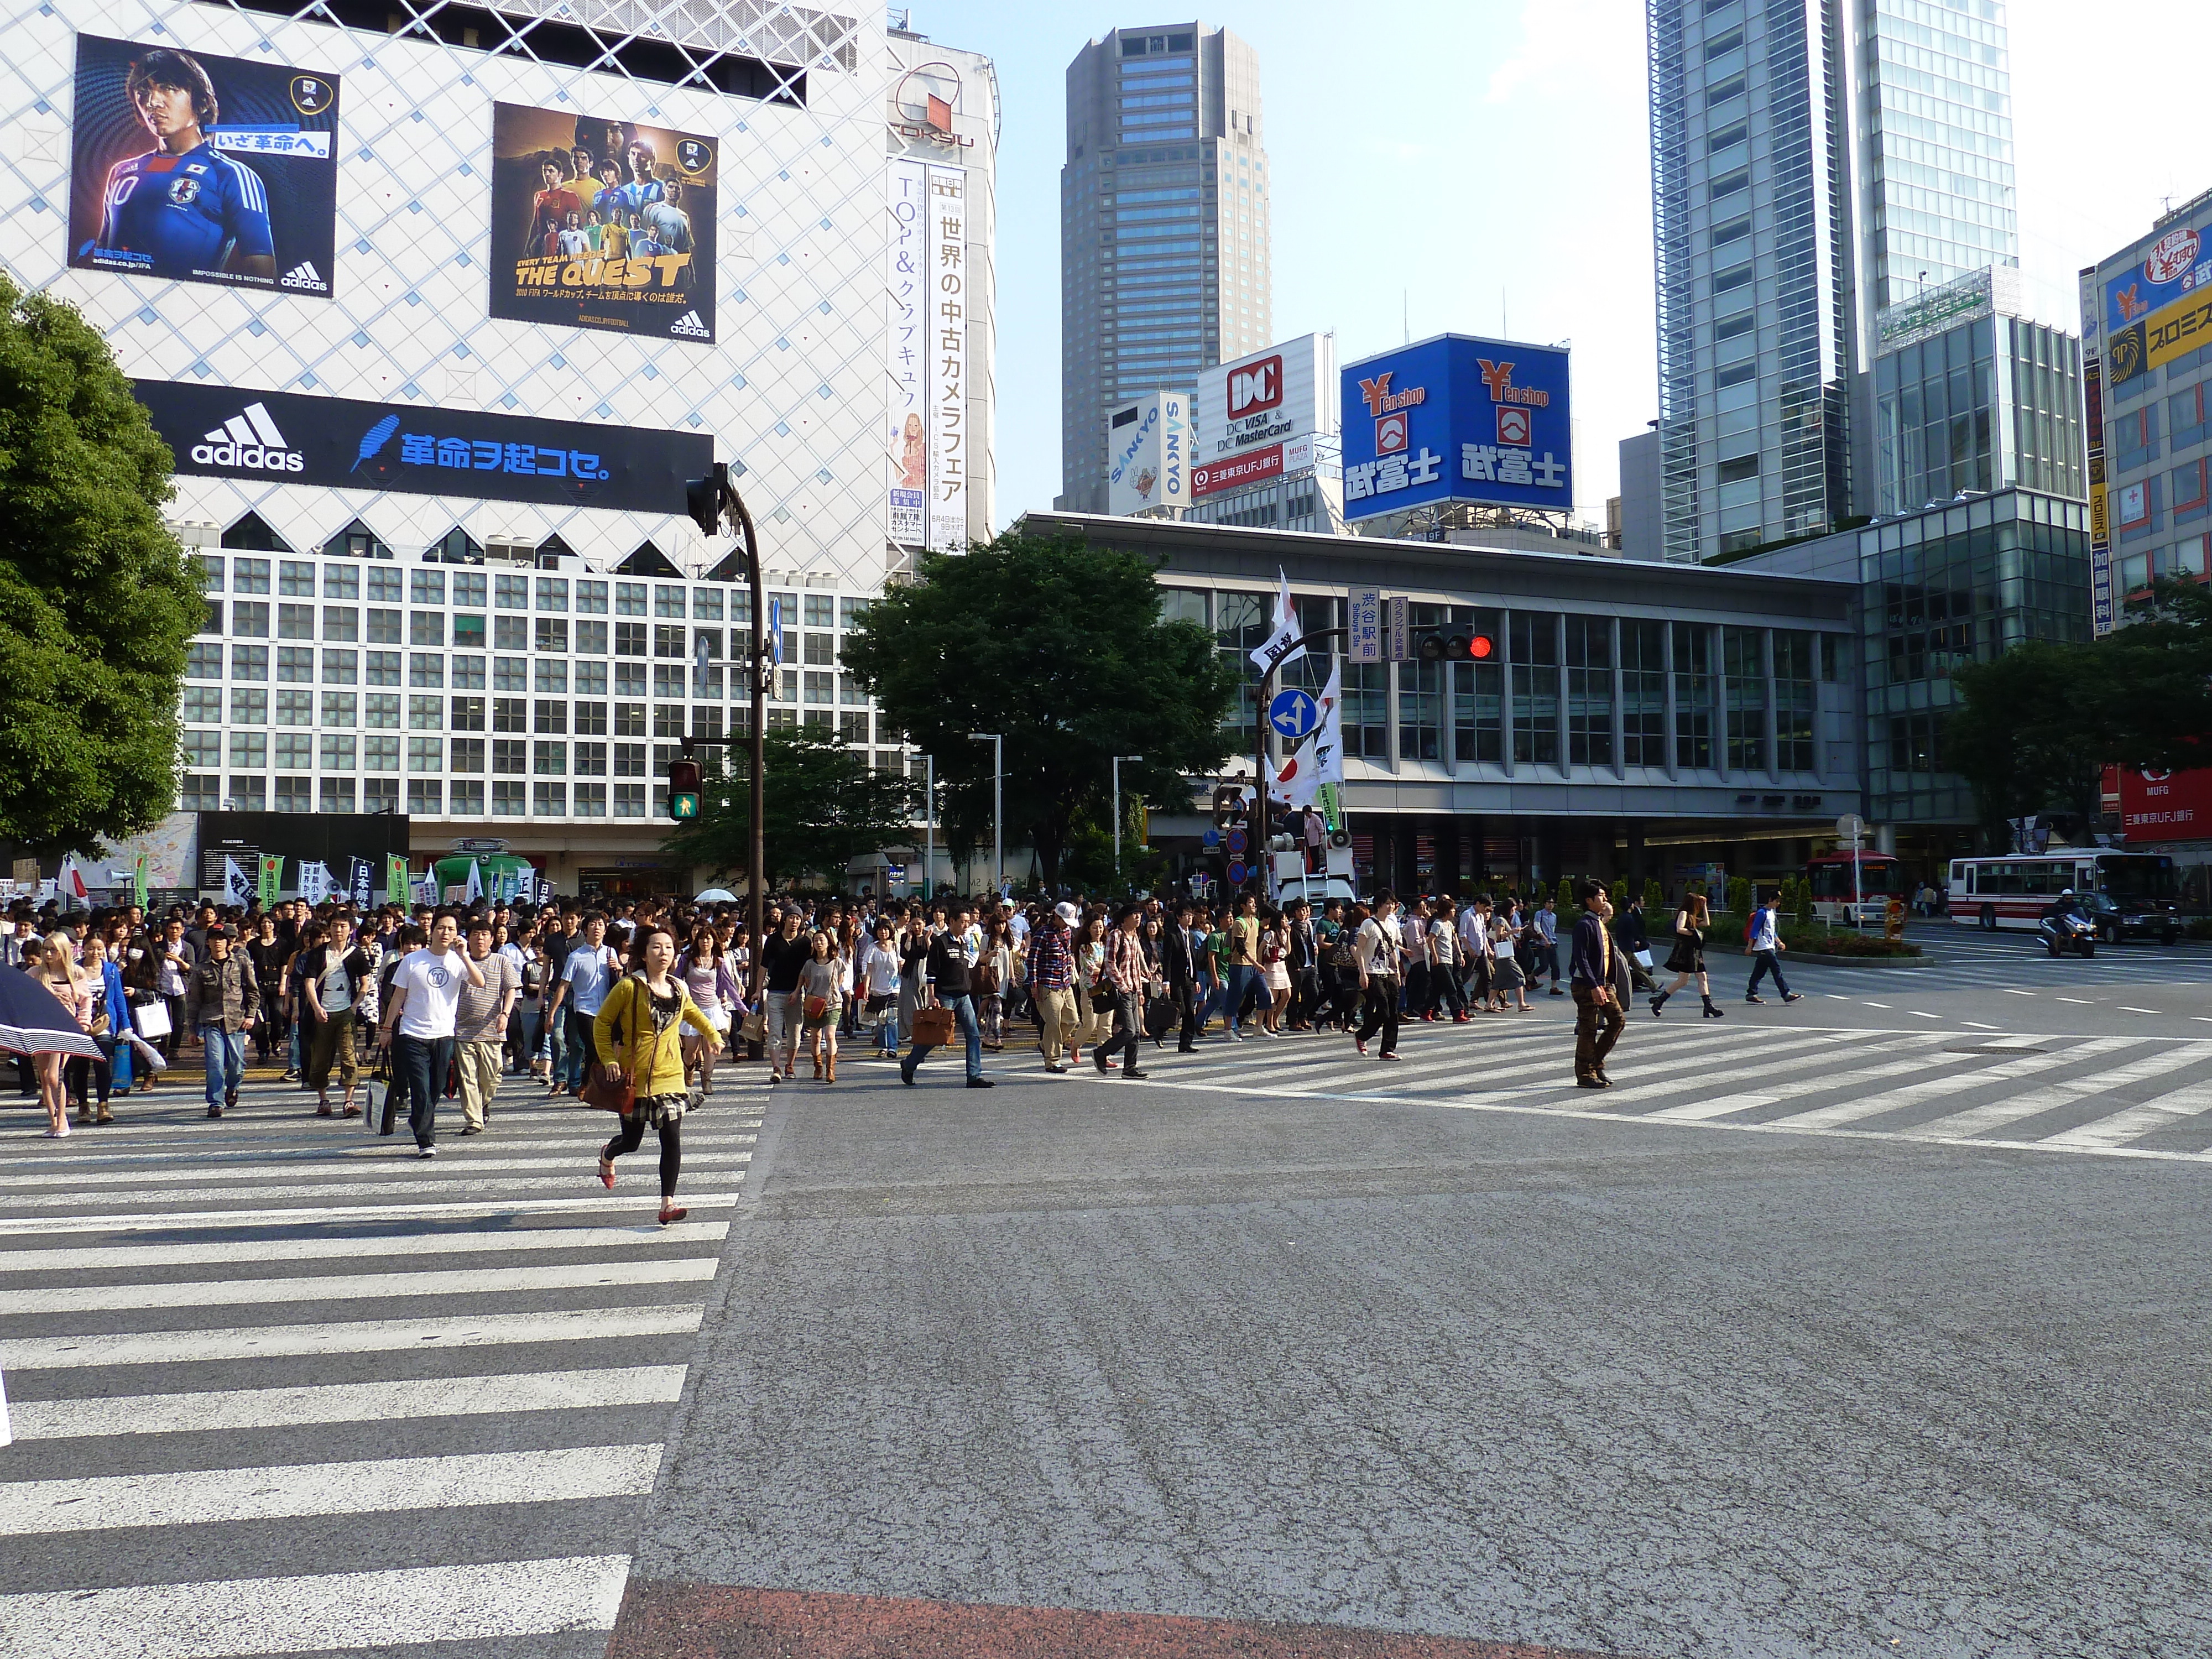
1126	970
1051	985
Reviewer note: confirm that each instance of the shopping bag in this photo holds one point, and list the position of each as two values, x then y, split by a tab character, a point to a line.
152	1019
1643	960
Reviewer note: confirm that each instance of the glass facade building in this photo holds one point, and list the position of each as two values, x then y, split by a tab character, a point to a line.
1164	228
1811	165
1982	406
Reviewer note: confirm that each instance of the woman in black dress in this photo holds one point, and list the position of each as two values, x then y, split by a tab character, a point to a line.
1687	959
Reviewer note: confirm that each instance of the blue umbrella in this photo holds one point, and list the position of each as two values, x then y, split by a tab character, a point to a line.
33	1022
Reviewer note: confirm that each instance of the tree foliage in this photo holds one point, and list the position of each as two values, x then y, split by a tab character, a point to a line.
97	601
825	808
1060	647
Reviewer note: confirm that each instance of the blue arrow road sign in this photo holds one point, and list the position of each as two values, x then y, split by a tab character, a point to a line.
1294	712
1211	838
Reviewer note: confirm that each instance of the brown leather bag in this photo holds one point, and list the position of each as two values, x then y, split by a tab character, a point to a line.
609	1089
933	1027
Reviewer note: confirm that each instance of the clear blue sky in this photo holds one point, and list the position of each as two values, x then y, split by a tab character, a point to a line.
1458	164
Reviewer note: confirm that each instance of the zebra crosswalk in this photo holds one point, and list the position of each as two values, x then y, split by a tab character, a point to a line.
1967	959
277	1388
2109	1095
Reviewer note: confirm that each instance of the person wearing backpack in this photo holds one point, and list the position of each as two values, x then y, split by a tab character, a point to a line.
1762	936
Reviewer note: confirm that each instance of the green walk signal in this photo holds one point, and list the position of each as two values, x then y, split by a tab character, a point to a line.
683	806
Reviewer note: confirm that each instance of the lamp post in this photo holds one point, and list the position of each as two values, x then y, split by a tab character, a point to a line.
998	742
1118	759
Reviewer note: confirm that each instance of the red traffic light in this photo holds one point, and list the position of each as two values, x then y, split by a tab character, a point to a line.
683	777
1479	647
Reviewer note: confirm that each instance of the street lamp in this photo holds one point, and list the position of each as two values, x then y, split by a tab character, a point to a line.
998	742
1118	759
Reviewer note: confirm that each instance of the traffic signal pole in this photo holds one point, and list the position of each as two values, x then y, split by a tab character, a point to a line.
713	501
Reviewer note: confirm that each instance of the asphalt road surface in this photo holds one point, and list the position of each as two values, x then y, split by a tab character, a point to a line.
1870	1324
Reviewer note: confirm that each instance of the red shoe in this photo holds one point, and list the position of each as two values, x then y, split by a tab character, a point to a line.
673	1212
607	1172
1359	1045
1462	1017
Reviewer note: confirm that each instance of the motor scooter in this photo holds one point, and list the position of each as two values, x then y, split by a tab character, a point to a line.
2067	932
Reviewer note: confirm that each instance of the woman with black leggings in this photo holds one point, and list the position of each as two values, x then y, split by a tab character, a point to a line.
640	1027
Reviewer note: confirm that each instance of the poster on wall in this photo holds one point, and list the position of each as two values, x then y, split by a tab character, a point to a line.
905	270
200	168
946	308
603	224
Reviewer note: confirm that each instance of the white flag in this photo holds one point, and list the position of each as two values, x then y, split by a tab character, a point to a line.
314	882
476	883
237	885
1282	645
1327	740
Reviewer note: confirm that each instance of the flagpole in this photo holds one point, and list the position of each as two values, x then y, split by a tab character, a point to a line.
1261	777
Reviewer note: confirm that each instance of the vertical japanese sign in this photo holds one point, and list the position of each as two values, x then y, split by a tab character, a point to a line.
397	888
1363	615
272	876
360	879
905	268
948	295
2101	618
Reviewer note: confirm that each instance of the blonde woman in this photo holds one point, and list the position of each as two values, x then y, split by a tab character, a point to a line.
54	968
1687	959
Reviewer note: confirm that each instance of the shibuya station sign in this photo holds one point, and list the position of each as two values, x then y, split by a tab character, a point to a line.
230	432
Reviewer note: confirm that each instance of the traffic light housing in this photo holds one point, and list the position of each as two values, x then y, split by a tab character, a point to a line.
1228	805
702	500
684	789
1457	645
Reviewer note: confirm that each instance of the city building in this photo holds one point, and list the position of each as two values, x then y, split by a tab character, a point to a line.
1640	531
430	447
1937	587
2147	336
1972	396
1163	229
1811	166
1651	720
1268	439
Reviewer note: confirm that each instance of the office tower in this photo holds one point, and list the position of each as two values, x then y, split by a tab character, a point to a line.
1162	231
1811	165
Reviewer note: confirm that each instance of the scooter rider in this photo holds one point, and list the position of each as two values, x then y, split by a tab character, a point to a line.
2062	922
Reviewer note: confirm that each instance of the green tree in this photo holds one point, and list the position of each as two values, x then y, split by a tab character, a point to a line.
97	601
1739	895
826	807
2019	737
1654	897
1061	649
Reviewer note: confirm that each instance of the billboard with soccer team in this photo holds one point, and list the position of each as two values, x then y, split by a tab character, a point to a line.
201	168
605	224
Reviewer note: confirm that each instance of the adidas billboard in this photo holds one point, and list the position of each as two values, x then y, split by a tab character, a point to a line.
250	441
304	274
690	327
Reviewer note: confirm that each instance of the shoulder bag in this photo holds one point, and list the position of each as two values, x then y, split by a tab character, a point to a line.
933	1027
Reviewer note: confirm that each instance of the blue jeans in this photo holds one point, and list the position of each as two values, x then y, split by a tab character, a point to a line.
579	1050
1764	962
425	1060
1240	983
963	1014
225	1061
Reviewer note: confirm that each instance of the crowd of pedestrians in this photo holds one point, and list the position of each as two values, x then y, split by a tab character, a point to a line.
444	1005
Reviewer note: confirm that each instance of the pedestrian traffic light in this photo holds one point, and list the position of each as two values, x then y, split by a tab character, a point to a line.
683	789
1228	804
1457	645
702	500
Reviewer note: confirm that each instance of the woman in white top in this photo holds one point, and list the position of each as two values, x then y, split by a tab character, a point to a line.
1275	971
879	988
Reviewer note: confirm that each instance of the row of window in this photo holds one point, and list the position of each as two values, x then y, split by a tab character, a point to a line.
297	665
203	705
252	619
480	590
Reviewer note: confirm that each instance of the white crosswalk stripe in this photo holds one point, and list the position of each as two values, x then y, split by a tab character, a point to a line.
1927	1087
246	1328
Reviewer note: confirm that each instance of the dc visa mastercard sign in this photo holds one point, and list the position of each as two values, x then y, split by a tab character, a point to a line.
201	168
1456	418
282	437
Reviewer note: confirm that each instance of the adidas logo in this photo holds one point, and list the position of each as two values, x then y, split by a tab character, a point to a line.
688	323
249	439
304	274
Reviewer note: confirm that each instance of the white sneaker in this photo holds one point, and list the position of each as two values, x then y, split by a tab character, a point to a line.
1233	1036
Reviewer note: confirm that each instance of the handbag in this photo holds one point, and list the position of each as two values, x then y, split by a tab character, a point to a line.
933	1027
814	1010
609	1089
754	1027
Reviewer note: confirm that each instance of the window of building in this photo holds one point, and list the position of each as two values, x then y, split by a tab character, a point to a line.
1735	374
202	748
510	633
380	795
509	715
667	680
667	601
548	800
552	675
510	755
249	750
1643	692
553	634
295	622
380	668
200	793
629	639
203	703
592	599
667	641
629	679
294	794
2187	484
1590	691
469	589
510	593
1533	656
466	798
1744	675
468	714
591	640
629	760
296	708
383	585
468	632
202	662
247	795
426	714
629	598
510	674
469	673
468	754
552	593
1694	688
341	668
296	663
552	716
667	720
426	797
426	587
249	575
338	795
341	622
248	706
249	621
426	628
629	800
383	626
425	668
339	750
340	708
381	709
590	760
592	679
249	662
629	719
507	800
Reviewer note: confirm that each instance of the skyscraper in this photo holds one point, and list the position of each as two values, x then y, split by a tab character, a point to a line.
1812	163
1163	228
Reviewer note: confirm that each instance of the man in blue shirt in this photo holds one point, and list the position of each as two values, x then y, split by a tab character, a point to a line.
183	209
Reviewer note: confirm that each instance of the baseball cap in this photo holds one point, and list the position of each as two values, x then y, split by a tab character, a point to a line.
1067	913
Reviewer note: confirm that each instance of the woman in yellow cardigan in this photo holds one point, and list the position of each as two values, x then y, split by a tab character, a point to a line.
640	1029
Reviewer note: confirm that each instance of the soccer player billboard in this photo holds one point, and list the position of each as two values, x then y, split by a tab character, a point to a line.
602	224
202	168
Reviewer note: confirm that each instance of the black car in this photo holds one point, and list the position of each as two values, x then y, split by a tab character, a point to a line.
2115	922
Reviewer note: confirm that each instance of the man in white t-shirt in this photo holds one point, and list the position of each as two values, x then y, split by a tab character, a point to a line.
426	991
1379	947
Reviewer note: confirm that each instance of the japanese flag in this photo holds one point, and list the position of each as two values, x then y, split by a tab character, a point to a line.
72	879
1299	782
1281	645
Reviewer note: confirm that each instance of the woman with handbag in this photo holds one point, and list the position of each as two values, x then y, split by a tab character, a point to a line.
1686	961
995	971
820	998
1274	971
707	977
1094	997
641	1021
103	1010
51	968
1509	975
878	977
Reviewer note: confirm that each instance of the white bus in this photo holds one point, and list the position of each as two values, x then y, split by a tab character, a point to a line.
2123	894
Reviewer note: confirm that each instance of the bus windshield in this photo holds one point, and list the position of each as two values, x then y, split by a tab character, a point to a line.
2136	879
1879	876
